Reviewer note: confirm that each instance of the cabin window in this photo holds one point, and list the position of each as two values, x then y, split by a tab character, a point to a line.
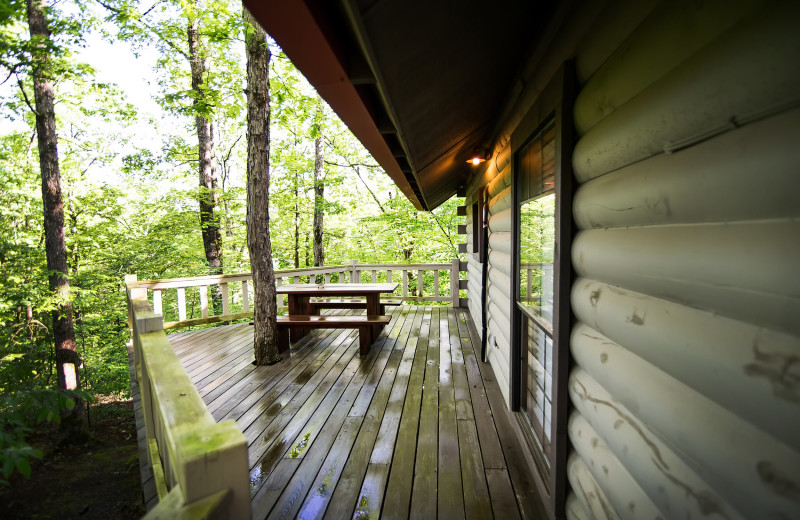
537	222
541	280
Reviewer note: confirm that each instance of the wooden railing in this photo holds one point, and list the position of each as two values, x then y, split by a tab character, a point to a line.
200	467
182	298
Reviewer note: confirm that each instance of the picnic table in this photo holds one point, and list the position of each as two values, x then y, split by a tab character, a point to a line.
303	315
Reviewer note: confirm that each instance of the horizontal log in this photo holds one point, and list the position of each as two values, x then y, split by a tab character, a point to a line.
588	491
695	101
710	182
746	271
500	279
575	509
673	32
500	223
503	159
623	492
724	359
659	470
731	454
502	325
500	261
501	202
499	183
500	241
609	30
501	299
500	370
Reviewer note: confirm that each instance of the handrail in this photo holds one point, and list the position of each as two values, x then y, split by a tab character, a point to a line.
200	466
236	303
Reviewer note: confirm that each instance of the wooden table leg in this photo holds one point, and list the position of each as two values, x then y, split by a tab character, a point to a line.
298	306
374	309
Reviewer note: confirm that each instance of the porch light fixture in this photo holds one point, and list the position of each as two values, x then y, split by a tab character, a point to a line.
478	156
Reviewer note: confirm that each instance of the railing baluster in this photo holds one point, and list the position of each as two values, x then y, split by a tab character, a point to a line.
454	294
226	307
203	301
181	304
157	305
354	272
529	290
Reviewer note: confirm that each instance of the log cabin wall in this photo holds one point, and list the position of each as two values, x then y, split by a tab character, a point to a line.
685	380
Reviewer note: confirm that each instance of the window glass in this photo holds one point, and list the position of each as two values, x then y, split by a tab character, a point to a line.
537	224
537	206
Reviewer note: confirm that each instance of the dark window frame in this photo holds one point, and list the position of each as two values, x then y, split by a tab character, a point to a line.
554	104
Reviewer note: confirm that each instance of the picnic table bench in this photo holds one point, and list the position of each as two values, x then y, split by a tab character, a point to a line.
316	304
364	324
306	300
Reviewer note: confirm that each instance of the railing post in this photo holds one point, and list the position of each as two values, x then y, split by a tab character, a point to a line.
129	278
354	277
454	292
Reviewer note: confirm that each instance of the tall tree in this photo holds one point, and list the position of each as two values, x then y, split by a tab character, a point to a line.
319	187
265	340
200	34
67	359
208	198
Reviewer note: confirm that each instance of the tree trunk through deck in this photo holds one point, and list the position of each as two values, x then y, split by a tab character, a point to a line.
296	220
208	199
67	360
319	191
265	340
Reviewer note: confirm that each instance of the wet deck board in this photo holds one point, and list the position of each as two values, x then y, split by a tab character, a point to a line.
415	429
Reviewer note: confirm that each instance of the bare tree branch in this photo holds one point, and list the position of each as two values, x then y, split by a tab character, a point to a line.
25	96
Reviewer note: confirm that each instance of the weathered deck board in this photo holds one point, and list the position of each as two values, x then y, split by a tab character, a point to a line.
416	428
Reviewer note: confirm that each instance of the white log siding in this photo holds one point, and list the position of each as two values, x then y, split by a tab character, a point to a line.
499	274
688	297
685	380
474	267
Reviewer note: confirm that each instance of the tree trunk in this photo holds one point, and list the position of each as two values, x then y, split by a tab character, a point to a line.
208	199
73	422
307	251
265	340
296	220
319	203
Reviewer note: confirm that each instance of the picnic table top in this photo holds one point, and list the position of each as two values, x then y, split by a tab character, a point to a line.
337	289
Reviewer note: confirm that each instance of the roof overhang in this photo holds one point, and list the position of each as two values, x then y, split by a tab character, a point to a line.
420	84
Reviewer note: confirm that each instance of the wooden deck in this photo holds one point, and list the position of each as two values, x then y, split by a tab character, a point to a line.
415	429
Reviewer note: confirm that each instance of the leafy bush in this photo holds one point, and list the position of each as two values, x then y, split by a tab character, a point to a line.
19	413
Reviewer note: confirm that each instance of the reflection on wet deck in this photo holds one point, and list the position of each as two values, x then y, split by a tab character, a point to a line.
416	428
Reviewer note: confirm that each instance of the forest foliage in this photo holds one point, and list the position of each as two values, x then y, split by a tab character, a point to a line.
129	178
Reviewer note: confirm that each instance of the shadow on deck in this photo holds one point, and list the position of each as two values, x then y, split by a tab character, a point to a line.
416	428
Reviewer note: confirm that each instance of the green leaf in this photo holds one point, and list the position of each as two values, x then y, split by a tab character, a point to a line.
24	467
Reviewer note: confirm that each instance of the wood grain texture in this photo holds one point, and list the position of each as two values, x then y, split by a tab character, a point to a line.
408	430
